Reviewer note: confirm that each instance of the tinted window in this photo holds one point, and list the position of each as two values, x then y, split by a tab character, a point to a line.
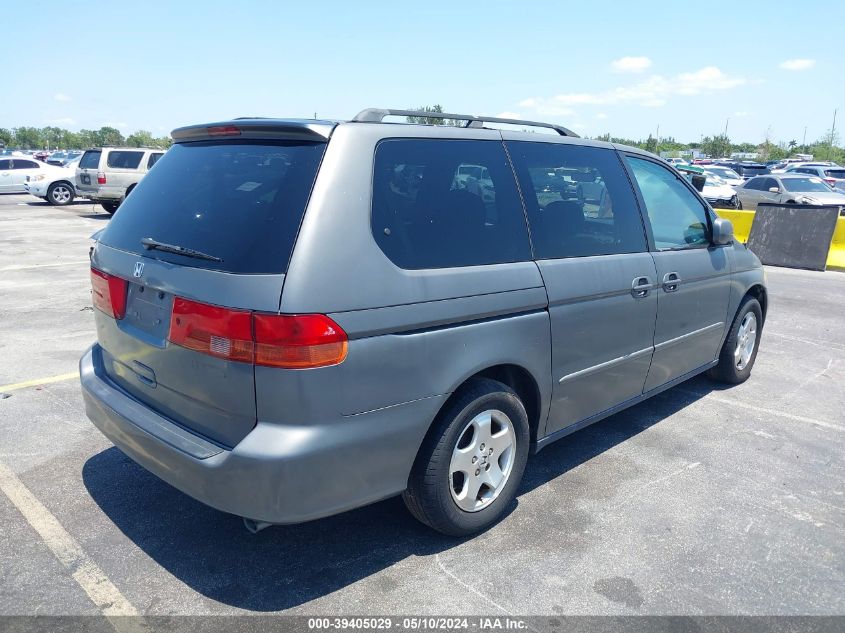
90	160
756	184
768	183
124	160
24	164
579	200
678	218
5	164
242	202
835	173
442	203
153	159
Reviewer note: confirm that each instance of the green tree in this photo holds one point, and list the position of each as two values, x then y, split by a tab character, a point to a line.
651	144
716	146
425	120
28	138
141	138
7	137
108	136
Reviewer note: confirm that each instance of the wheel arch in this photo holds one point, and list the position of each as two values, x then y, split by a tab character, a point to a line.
523	383
758	291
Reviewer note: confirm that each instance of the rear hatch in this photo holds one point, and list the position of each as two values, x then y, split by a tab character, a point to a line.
201	245
86	171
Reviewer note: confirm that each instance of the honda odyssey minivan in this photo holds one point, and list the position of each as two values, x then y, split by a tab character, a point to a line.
299	317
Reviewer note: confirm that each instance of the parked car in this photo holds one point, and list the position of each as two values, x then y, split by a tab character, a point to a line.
108	174
725	173
54	184
792	164
719	193
676	161
296	318
14	171
746	170
787	189
833	176
62	158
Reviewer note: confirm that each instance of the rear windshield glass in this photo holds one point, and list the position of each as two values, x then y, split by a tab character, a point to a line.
835	173
90	160
124	160
754	169
240	202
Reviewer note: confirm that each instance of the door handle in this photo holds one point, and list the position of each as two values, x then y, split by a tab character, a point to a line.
640	287
671	281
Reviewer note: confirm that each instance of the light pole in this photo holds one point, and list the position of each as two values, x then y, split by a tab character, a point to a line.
728	120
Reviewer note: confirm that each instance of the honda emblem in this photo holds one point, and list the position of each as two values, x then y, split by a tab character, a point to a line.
139	269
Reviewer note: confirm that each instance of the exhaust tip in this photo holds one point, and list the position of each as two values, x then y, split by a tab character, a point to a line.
254	527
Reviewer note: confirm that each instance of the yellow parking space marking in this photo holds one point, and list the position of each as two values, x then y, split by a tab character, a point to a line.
70	554
38	381
28	266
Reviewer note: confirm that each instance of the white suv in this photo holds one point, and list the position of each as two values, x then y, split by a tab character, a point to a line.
108	174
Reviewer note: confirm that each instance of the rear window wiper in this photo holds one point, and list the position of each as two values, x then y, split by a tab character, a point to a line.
154	245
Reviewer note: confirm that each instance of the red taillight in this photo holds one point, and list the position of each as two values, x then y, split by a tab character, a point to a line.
212	330
289	341
101	178
108	293
298	341
223	130
831	181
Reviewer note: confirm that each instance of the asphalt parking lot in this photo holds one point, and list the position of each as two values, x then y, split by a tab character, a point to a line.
703	500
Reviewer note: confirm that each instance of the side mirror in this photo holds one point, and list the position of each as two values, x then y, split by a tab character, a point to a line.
774	189
723	231
698	182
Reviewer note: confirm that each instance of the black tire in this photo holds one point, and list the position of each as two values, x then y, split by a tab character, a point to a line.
60	193
110	207
728	370
428	496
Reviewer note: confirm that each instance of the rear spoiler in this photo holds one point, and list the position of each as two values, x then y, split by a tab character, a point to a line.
264	129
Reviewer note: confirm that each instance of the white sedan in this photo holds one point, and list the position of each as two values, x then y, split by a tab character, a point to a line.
54	184
15	169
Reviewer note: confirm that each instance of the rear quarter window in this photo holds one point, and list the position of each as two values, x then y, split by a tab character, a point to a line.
239	201
447	203
124	160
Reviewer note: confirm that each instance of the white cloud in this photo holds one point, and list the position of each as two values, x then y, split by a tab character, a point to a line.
798	64
61	96
119	124
528	103
631	64
601	116
65	120
654	91
509	115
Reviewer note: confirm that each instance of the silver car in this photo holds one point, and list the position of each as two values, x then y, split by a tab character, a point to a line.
833	175
299	317
108	174
787	189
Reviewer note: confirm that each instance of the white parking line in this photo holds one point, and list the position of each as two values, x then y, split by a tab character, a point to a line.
773	412
28	266
85	572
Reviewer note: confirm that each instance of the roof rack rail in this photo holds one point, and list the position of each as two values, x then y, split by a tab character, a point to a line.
377	115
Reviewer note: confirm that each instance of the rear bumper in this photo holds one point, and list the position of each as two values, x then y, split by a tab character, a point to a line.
277	473
97	194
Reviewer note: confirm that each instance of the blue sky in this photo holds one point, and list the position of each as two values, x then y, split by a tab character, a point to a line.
596	66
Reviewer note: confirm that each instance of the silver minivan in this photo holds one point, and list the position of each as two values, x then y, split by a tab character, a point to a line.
300	317
108	174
